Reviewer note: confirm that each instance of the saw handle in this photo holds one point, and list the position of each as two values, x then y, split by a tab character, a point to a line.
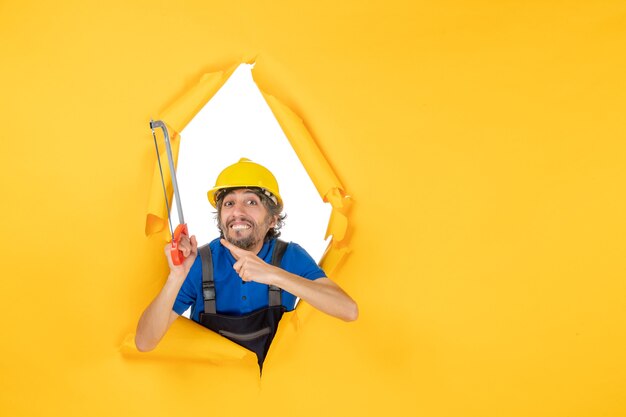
177	254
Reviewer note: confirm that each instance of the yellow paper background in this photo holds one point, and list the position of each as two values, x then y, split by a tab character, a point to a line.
483	146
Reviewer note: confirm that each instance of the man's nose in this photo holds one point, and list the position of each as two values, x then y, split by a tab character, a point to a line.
239	208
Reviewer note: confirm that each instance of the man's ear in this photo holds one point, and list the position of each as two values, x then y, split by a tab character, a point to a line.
274	221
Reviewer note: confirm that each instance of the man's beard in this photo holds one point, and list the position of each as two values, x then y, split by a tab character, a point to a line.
251	239
245	243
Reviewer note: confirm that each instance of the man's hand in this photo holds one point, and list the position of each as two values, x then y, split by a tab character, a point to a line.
249	266
189	247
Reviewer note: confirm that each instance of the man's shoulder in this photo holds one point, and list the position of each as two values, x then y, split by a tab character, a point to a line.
215	246
211	249
298	261
295	249
294	253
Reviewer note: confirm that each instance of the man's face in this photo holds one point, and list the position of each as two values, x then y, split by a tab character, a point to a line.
244	220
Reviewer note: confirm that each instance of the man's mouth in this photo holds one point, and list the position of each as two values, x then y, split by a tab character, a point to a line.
239	225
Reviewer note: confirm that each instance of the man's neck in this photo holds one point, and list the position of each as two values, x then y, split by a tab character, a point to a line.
257	248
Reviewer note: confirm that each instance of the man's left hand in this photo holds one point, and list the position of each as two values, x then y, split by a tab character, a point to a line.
249	266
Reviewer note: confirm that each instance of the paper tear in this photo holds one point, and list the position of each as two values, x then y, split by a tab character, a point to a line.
186	340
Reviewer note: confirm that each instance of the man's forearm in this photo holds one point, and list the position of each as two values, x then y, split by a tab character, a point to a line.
158	316
322	293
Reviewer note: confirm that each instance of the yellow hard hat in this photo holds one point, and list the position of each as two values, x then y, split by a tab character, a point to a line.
242	174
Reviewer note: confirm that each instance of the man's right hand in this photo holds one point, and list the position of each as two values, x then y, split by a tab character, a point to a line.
189	247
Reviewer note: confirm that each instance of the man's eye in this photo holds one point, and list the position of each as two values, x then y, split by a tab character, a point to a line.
251	203
228	203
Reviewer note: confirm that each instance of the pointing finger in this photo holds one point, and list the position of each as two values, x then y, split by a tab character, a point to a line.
237	266
236	251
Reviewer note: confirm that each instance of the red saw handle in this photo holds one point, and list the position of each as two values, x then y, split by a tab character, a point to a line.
177	254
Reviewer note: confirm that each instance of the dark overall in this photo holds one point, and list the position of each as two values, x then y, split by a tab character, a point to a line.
253	331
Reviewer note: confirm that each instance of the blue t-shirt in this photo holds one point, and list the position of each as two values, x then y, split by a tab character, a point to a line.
235	296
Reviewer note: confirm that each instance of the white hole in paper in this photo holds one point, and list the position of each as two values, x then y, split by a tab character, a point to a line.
236	123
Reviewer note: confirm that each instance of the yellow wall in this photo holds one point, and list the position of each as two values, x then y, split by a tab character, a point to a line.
483	144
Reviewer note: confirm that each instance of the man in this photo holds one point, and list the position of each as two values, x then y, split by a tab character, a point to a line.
241	276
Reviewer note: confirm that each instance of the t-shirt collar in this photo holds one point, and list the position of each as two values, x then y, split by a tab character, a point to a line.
264	250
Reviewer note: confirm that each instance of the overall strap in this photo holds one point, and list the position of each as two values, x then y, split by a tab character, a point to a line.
208	284
275	293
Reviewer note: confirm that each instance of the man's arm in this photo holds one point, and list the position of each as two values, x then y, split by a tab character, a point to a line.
321	293
159	316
